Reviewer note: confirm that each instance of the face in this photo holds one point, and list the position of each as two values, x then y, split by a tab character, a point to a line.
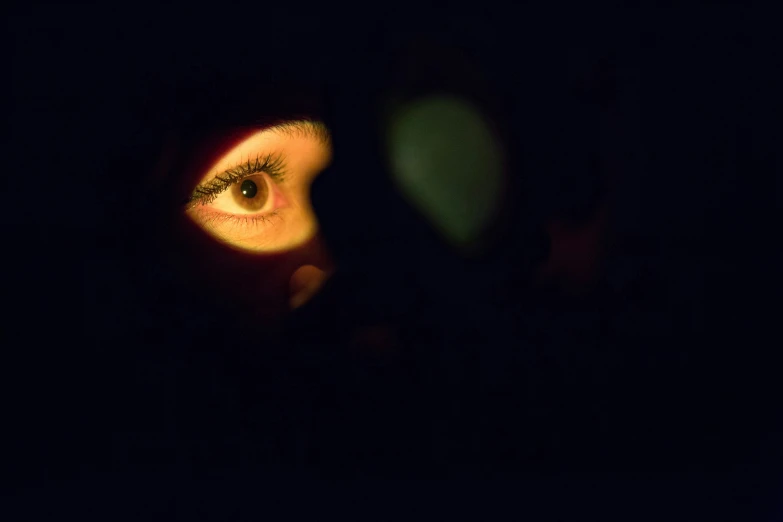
255	198
249	227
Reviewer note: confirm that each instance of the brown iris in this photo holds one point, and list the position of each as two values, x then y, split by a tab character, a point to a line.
252	193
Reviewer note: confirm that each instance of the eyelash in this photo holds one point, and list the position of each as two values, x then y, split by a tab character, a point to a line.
206	193
246	221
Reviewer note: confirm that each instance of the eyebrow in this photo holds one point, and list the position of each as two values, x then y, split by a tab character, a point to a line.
303	128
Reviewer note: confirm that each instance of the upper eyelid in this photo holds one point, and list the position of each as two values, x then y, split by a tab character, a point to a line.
303	127
297	128
272	164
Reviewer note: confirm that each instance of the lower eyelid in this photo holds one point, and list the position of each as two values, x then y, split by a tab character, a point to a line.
210	216
226	222
215	218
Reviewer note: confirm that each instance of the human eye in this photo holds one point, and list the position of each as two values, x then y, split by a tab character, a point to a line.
249	189
256	197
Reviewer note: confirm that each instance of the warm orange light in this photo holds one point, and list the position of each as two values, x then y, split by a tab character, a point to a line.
284	219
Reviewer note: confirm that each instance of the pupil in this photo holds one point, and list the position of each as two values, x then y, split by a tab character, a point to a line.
249	189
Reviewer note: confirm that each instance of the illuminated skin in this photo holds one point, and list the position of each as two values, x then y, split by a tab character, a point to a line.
284	218
264	247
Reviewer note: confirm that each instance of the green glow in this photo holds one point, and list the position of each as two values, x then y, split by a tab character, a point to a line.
448	165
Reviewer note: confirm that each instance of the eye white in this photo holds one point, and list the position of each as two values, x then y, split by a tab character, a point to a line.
226	201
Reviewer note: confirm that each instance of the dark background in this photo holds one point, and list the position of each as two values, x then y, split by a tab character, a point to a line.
668	362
